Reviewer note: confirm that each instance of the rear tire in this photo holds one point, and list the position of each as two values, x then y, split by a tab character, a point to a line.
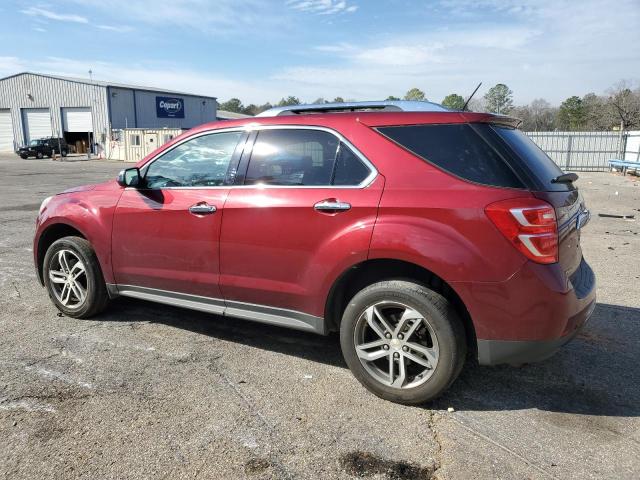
24	157
64	153
39	155
404	342
73	278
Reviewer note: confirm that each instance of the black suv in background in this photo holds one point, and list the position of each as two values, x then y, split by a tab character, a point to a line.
44	147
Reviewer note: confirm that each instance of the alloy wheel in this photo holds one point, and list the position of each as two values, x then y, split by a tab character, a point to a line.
396	345
68	279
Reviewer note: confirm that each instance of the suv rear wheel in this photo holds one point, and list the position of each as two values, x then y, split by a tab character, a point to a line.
73	278
39	155
402	341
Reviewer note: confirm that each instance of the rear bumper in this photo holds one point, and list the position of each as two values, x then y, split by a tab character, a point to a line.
532	314
495	352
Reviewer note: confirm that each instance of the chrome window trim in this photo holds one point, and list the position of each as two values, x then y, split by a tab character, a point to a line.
373	172
229	308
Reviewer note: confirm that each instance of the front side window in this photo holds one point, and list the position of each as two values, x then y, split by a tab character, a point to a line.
292	157
200	162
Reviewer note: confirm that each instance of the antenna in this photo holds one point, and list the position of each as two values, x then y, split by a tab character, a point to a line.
470	97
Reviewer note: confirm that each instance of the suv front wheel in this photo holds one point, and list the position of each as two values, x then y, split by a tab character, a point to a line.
74	279
402	341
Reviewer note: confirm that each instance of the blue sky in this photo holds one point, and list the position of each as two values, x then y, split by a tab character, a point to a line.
263	50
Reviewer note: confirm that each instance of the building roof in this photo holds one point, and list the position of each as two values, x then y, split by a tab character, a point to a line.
102	83
230	115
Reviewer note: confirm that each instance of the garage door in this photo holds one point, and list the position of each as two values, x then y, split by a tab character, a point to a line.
6	131
77	119
37	123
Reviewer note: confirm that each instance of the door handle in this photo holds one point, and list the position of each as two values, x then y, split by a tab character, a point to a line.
331	205
202	209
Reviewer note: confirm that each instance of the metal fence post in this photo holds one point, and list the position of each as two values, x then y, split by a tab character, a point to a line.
568	160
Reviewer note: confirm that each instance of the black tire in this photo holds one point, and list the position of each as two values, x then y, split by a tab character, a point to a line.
440	318
39	155
24	157
64	153
97	297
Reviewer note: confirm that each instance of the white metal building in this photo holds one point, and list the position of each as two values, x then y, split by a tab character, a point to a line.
84	111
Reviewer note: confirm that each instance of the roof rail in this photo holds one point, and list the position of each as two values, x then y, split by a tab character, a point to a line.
386	106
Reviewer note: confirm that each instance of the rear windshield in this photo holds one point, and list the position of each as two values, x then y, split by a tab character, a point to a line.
542	167
458	149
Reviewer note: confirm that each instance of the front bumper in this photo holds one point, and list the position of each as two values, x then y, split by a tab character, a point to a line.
515	352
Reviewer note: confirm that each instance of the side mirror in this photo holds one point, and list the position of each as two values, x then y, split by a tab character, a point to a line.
129	177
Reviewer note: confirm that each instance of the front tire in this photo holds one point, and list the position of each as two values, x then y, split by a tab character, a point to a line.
73	278
39	155
402	341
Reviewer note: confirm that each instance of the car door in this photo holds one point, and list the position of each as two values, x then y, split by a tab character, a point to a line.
166	232
305	209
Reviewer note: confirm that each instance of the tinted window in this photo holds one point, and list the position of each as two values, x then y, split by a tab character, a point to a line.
349	169
202	161
543	168
292	157
457	149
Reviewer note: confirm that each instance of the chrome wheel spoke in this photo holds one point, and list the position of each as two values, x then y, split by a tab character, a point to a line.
65	294
422	361
429	353
402	373
62	260
79	292
392	367
371	356
57	276
77	270
370	314
408	315
382	320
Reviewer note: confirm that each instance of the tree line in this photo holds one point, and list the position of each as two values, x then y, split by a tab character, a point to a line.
618	107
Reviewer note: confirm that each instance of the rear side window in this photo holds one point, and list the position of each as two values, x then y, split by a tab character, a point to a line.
542	167
349	169
458	149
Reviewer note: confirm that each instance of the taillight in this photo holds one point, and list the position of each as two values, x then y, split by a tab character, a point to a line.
529	224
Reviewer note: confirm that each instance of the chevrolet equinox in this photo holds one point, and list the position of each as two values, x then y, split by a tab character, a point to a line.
422	235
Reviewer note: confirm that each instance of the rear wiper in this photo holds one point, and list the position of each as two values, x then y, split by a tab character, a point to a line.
565	178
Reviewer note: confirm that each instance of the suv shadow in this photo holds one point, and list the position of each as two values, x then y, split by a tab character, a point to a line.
596	374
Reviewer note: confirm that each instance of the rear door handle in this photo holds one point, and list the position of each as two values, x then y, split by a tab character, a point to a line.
331	206
202	209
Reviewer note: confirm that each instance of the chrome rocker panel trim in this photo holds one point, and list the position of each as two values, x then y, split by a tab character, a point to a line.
247	311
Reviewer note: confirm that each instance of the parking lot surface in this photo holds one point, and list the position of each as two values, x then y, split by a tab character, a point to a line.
151	391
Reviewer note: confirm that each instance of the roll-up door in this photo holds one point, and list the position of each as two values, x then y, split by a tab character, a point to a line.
77	119
37	123
6	131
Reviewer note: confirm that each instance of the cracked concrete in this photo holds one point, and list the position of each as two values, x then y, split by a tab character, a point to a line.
180	394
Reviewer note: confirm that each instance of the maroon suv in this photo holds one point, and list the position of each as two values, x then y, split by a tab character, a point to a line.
419	233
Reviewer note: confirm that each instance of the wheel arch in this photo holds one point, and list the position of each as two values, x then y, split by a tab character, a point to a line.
370	271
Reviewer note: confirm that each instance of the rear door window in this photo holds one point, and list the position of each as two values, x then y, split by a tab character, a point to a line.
457	149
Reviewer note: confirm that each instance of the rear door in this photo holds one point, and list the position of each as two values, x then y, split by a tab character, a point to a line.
305	206
166	233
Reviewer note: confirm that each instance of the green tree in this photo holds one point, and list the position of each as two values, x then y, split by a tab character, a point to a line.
290	100
571	115
233	105
453	101
499	99
392	98
319	101
338	100
415	94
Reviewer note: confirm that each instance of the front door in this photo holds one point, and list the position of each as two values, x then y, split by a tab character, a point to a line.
166	233
306	207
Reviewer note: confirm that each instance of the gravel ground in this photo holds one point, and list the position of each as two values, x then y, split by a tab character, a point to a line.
148	391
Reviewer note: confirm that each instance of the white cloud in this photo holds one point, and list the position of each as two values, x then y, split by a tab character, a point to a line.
322	7
48	14
115	28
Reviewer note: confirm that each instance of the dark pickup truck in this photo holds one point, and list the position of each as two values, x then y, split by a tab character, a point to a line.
44	147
